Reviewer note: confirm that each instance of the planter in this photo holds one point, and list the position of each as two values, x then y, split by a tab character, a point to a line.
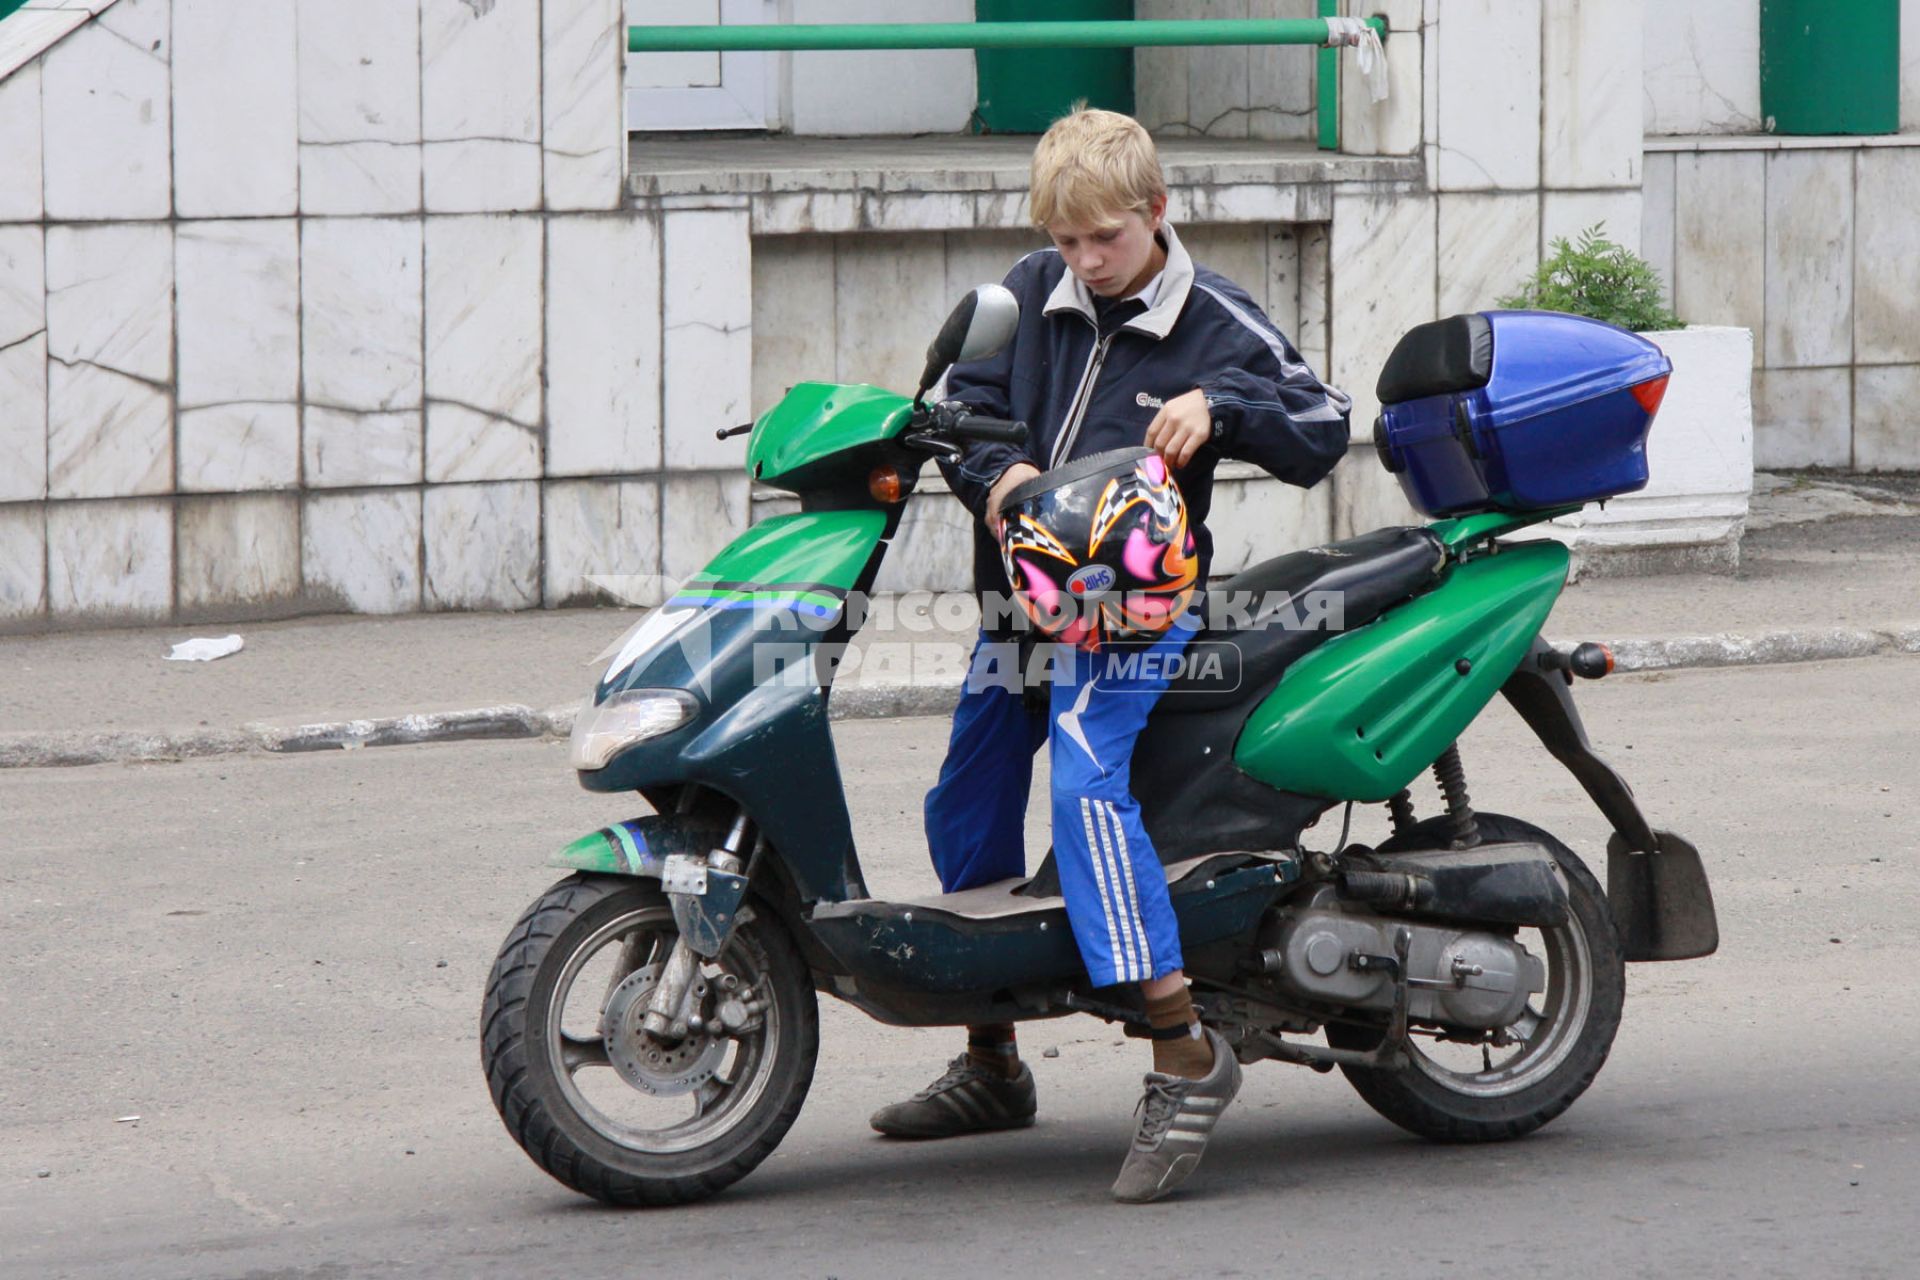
1690	516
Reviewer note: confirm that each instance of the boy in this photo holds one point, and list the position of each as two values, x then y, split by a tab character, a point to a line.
1122	341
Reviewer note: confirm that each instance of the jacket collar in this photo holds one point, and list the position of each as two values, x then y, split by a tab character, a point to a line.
1176	281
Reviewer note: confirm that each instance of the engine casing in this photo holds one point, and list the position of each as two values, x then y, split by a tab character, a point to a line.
1460	977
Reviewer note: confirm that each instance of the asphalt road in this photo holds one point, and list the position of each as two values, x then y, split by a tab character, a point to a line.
276	964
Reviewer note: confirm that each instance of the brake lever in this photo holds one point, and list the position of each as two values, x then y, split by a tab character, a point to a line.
928	442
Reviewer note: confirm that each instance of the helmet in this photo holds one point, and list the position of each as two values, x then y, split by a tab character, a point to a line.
1099	548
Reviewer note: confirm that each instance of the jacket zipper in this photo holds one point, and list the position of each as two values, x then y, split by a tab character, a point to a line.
1082	398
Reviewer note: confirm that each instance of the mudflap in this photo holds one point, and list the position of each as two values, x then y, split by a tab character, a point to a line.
1662	905
1656	882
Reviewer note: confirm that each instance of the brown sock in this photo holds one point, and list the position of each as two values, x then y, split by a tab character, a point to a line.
1189	1055
993	1049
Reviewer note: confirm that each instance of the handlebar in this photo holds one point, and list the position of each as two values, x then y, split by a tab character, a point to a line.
952	418
990	430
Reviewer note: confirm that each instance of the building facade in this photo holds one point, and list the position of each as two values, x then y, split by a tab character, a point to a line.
387	305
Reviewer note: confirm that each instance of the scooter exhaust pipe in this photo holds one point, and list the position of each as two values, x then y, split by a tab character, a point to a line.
1488	884
1389	890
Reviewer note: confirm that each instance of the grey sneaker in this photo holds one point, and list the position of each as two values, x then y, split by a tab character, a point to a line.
964	1100
1177	1116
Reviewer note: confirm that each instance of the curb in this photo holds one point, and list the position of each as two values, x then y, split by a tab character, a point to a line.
1768	648
49	750
853	702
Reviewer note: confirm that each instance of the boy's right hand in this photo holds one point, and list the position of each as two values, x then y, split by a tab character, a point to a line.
1010	479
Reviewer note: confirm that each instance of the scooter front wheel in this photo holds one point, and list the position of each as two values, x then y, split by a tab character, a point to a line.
609	1109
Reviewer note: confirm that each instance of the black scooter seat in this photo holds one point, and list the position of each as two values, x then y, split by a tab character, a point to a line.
1267	616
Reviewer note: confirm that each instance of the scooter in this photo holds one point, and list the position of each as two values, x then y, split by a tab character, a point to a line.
651	1024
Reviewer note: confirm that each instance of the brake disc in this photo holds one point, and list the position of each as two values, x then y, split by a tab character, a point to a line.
649	1064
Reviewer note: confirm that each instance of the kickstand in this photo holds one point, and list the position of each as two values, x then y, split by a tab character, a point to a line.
1395	1046
1132	1019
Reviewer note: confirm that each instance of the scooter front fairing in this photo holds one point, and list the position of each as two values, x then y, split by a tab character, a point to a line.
725	686
739	648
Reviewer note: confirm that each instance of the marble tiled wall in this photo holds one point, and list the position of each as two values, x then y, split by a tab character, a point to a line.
1226	91
1524	114
1703	67
917	91
349	312
854	308
277	283
1802	243
1527	116
1796	239
1532	133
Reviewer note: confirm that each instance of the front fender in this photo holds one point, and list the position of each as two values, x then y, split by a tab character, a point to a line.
706	905
637	847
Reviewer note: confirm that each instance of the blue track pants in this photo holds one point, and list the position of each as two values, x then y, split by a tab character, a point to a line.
1115	889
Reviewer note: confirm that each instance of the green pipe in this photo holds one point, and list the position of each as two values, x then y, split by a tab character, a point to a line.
979	35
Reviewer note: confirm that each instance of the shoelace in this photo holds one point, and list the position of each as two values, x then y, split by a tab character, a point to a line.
959	1071
1161	1103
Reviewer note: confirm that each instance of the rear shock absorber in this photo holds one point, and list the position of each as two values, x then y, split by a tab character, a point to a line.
1452	777
1400	809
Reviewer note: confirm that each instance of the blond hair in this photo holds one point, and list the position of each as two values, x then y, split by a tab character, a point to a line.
1092	166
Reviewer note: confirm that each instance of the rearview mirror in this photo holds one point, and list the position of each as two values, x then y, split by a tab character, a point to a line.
981	325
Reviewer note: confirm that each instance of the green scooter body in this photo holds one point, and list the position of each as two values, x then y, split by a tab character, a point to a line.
1355	719
757	634
1368	711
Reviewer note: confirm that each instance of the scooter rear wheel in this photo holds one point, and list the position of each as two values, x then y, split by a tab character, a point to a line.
1455	1092
610	1111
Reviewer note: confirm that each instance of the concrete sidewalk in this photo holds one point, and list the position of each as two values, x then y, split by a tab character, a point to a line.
1830	569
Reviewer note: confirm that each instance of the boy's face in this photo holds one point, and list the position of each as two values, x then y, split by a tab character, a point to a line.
1111	257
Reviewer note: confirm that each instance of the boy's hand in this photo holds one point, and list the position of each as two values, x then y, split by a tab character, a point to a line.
1010	479
1180	428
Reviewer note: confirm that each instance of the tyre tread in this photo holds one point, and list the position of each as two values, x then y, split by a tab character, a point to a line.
1397	1096
526	1114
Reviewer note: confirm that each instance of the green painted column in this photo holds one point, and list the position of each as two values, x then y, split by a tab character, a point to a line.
1827	67
1025	90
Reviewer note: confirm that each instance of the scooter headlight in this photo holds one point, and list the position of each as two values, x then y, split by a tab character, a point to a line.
630	716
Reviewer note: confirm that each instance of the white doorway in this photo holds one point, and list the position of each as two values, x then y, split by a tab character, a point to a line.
682	91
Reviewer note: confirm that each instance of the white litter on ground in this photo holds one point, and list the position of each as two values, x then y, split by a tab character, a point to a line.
203	649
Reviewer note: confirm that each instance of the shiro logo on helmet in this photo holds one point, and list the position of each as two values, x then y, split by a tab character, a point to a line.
1091	580
1099	549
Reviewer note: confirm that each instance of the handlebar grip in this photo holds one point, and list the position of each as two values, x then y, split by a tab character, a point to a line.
991	430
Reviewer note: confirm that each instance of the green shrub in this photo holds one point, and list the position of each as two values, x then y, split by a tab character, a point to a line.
1597	278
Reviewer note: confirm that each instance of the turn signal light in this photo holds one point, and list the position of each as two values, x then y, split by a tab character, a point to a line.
887	485
1649	394
1591	661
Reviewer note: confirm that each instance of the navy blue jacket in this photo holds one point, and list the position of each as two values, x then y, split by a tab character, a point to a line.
1087	376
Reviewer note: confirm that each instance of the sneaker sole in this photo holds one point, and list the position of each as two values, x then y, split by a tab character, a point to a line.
931	1132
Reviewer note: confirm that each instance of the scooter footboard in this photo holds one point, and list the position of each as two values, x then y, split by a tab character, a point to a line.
992	937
